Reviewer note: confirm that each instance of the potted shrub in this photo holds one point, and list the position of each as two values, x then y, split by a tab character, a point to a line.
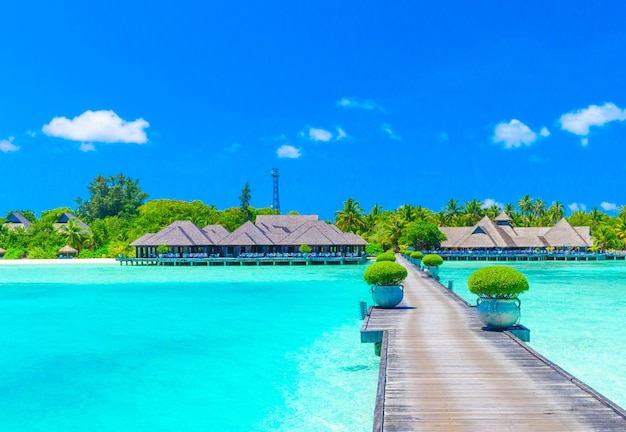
305	249
432	263
416	257
387	256
497	288
162	249
385	279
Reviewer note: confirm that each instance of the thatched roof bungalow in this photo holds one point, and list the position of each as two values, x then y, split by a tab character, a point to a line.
16	220
270	234
500	234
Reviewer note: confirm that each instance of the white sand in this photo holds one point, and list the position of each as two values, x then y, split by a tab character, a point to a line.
74	261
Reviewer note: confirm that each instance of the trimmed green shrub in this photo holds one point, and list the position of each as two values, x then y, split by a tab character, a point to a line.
497	282
387	256
163	249
385	273
432	260
15	253
304	248
417	255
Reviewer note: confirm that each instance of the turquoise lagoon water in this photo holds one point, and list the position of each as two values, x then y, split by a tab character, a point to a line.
575	311
112	348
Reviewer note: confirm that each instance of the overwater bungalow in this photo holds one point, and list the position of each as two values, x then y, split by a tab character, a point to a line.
16	220
270	237
501	235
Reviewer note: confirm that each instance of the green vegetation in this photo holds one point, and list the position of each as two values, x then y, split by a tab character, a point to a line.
432	260
387	256
417	255
497	282
117	213
373	249
391	228
385	273
304	248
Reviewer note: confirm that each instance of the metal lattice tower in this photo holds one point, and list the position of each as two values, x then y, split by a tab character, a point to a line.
276	200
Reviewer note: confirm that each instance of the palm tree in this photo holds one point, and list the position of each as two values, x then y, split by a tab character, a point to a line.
597	216
539	210
525	204
472	212
407	212
350	218
452	210
556	212
493	211
74	234
371	220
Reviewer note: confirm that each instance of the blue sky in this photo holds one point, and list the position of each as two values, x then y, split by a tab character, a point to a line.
387	102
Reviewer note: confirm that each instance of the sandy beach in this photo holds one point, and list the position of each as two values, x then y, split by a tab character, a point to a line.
73	261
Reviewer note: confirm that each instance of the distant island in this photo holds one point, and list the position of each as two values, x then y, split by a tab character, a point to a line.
118	212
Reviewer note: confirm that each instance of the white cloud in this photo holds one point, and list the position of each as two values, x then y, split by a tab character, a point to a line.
87	147
98	126
320	135
579	122
387	129
341	134
607	206
514	134
490	202
544	132
7	146
584	141
360	104
577	207
288	152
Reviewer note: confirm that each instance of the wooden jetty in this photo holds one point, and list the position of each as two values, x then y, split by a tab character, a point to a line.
440	371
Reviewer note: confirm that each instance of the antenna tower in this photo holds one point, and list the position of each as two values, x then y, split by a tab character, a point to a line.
276	200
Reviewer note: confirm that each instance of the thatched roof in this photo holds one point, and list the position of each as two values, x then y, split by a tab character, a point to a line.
247	234
485	234
503	217
314	233
17	219
67	249
268	231
65	217
564	234
215	232
179	233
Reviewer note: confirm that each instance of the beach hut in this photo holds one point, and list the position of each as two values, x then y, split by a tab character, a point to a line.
67	252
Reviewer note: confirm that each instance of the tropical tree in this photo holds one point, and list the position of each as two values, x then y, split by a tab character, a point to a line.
452	209
539	210
244	203
525	204
74	234
556	212
422	235
472	212
350	218
116	195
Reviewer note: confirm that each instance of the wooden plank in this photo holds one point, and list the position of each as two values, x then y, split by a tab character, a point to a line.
441	371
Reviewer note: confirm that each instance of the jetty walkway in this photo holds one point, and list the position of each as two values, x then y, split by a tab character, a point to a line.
440	371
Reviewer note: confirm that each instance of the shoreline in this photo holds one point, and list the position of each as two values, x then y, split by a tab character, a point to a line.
56	261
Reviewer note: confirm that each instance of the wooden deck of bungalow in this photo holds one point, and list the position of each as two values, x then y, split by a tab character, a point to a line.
440	371
528	256
230	261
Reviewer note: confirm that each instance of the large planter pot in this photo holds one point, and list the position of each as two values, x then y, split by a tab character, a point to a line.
434	271
498	314
387	296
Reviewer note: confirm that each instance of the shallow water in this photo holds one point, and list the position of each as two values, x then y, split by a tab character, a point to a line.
575	312
113	348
